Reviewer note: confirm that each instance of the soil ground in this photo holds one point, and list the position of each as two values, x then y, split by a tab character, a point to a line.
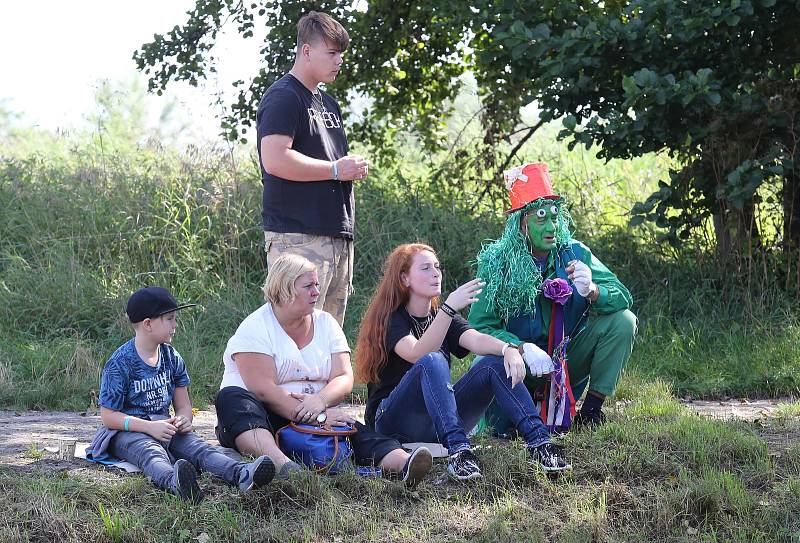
24	432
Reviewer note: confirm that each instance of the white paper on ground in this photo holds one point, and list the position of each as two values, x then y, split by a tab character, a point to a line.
80	452
437	449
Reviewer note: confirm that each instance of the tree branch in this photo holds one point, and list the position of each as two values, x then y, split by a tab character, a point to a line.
508	159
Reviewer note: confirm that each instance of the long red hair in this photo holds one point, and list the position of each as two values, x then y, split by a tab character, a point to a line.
390	295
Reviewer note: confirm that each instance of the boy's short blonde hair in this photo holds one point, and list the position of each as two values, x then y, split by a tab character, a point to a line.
279	287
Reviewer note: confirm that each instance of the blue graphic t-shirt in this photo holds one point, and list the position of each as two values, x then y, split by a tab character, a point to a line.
131	386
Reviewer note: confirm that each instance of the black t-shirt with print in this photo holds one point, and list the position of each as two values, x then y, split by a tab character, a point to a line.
401	324
322	208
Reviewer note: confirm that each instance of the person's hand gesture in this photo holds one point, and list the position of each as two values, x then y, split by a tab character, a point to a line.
338	417
182	424
161	430
581	276
537	360
308	406
514	365
352	167
465	295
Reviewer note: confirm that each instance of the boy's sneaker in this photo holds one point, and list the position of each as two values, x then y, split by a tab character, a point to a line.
548	457
256	474
184	482
463	465
417	466
590	420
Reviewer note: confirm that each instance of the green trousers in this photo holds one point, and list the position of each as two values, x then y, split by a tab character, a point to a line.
595	357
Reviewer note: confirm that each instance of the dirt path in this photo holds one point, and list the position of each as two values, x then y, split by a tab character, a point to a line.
744	409
21	431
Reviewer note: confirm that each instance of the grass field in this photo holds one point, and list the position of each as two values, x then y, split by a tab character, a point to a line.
663	475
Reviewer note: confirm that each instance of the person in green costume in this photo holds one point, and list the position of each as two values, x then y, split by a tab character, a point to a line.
537	247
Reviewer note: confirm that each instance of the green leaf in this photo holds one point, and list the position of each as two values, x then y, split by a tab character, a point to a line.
629	85
636	220
732	19
570	122
518	28
541	32
645	77
519	50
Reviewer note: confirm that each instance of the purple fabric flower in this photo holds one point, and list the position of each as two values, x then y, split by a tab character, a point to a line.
557	290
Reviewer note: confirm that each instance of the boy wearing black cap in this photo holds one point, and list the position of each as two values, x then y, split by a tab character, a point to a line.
139	382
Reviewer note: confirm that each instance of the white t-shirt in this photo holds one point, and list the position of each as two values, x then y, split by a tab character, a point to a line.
303	370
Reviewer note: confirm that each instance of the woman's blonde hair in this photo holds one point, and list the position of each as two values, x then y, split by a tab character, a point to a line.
279	287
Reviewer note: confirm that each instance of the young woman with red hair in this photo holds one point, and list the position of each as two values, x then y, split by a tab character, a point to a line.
403	355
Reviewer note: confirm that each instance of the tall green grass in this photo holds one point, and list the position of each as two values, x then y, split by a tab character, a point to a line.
80	232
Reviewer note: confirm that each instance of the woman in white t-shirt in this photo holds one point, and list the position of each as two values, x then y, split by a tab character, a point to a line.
290	362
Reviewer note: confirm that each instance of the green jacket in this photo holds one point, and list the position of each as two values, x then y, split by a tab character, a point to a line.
613	297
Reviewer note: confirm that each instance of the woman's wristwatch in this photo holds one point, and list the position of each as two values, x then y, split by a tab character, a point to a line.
321	418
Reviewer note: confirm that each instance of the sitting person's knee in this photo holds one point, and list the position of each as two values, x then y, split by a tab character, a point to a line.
434	360
623	323
629	322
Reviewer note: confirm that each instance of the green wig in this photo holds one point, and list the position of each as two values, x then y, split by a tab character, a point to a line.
513	279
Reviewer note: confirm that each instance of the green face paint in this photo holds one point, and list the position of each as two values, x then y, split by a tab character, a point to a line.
542	226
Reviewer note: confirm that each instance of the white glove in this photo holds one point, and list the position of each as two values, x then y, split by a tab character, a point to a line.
537	360
581	278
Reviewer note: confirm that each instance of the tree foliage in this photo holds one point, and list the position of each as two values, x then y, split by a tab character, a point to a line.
712	83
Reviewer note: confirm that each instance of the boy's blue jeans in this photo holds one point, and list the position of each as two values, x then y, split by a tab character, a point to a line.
153	457
425	406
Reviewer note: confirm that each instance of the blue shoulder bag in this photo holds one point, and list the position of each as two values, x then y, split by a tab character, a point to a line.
325	449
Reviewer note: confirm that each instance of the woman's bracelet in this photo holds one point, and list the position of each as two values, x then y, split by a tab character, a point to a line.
127	420
504	349
448	310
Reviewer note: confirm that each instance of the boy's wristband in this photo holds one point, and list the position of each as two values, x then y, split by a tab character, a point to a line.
127	420
335	171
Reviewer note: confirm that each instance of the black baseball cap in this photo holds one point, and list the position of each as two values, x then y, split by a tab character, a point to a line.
151	302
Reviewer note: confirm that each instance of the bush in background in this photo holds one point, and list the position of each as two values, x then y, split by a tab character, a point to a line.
84	226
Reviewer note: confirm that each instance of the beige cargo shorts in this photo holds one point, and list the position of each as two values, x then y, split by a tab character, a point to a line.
333	258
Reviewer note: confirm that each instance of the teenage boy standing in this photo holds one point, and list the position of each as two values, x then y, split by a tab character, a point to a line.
305	167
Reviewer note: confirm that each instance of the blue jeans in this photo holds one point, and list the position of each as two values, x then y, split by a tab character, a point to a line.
154	457
425	406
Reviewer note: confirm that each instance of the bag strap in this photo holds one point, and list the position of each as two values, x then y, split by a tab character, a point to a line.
326	468
333	433
326	430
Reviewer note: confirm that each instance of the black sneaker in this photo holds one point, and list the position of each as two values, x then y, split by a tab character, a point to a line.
590	420
287	470
184	482
463	465
417	466
549	457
